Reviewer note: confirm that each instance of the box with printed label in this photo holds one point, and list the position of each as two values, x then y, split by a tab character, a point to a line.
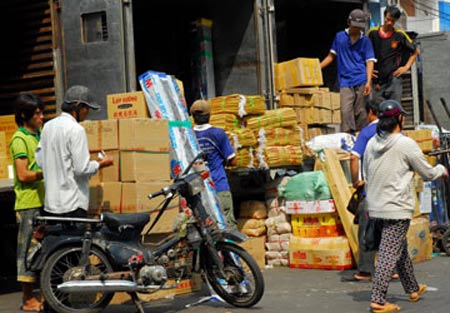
144	166
127	105
101	134
144	134
308	207
332	253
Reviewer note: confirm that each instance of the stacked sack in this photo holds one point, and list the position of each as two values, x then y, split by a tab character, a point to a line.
278	225
318	239
252	215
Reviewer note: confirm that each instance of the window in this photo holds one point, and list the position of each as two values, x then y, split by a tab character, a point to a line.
94	27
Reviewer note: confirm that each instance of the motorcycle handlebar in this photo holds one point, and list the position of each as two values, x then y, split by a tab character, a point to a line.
156	194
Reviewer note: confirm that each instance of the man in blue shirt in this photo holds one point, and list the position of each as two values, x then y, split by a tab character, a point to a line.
355	61
215	144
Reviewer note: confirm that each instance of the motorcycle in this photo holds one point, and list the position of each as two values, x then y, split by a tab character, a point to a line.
83	261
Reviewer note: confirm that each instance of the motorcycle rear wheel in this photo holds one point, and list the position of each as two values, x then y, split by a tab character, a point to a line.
243	285
62	266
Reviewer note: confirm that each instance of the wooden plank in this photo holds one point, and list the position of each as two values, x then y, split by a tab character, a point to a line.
341	194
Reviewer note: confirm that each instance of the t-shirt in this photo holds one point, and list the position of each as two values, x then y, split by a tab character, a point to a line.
390	52
217	147
23	144
351	59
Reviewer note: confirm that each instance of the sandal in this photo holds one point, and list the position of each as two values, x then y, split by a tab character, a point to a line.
415	296
382	308
362	276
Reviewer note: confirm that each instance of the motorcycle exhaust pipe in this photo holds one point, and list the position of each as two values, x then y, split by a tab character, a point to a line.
104	286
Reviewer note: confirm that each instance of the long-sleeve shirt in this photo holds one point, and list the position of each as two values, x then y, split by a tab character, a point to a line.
63	155
389	165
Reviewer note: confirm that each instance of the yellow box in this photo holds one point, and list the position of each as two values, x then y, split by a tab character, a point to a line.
336	117
126	105
297	73
3	146
335	99
422	137
4	162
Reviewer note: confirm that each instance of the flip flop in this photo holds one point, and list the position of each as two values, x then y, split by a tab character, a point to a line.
416	297
29	311
395	276
362	277
387	307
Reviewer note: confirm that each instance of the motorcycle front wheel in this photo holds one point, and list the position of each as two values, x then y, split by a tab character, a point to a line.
243	284
64	265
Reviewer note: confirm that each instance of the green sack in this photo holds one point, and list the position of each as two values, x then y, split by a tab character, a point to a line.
306	186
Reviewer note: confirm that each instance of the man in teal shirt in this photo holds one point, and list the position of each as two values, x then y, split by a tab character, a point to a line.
28	187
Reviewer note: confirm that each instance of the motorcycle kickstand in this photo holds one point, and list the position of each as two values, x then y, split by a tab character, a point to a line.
137	302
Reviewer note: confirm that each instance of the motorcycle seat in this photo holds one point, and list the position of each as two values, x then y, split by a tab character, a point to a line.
137	220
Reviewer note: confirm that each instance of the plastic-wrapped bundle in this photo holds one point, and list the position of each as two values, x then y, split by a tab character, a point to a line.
242	137
244	158
275	156
238	104
280	136
165	101
224	121
284	117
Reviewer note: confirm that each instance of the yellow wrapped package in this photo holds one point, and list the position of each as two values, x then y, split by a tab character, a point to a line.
281	136
284	117
238	104
242	137
276	156
224	121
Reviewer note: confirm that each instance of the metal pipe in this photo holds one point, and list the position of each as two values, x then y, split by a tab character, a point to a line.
106	286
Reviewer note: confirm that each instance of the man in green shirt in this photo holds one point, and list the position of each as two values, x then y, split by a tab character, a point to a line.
28	187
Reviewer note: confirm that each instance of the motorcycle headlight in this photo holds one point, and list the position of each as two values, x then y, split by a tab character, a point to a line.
195	185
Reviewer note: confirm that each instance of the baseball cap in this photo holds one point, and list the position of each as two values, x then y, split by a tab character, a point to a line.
80	94
358	18
200	107
389	108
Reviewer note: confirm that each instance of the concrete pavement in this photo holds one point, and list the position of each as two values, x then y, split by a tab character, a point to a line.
305	291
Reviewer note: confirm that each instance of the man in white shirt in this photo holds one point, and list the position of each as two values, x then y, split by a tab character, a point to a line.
63	155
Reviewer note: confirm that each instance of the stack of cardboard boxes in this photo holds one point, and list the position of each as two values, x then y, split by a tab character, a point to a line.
8	127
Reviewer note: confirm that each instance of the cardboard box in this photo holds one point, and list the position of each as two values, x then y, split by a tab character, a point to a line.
419	238
422	137
8	126
336	117
127	105
134	199
186	286
256	247
105	197
144	166
3	146
110	173
332	253
5	161
144	135
101	134
335	98
310	207
316	225
297	73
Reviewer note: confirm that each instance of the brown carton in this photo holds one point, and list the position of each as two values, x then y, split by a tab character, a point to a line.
4	162
298	72
3	146
9	126
127	105
101	134
105	197
110	173
135	199
422	137
144	166
141	134
256	247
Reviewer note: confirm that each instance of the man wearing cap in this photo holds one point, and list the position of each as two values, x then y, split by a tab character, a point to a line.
63	155
390	46
355	62
390	161
215	144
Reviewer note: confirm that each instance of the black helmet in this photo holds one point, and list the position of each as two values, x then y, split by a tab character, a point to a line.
389	108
